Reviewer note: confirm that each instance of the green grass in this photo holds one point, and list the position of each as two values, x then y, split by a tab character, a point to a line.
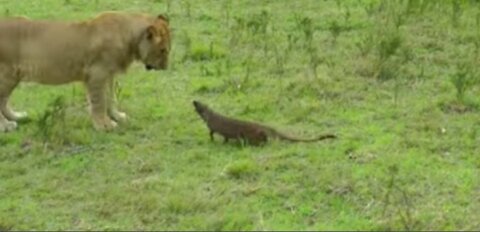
380	74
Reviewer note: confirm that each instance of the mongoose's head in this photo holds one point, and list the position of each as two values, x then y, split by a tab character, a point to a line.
200	108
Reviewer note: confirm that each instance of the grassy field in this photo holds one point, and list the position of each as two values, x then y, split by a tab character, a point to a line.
397	81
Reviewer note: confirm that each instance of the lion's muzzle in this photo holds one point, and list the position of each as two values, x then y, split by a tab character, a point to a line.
151	67
148	67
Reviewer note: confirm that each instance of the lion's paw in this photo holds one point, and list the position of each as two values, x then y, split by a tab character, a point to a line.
119	116
16	116
7	126
105	125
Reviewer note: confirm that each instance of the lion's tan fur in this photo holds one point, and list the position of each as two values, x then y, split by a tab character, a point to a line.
93	52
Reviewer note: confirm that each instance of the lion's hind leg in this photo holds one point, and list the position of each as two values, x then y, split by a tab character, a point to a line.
6	125
7	116
13	115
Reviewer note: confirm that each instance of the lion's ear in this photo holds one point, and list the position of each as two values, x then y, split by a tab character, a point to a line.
163	17
153	35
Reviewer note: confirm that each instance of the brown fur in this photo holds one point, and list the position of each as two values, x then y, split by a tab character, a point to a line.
92	52
251	132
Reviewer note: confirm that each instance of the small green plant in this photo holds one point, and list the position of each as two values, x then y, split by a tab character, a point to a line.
463	79
398	203
386	49
187	45
6	226
248	69
253	28
187	8
428	4
237	29
202	52
257	26
118	91
205	71
335	29
241	169
389	45
50	126
413	6
177	204
237	83
347	15
280	59
388	37
292	39
258	23
169	5
366	44
370	8
476	41
457	11
305	25
315	61
227	7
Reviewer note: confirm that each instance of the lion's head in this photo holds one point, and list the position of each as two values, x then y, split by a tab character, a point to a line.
154	45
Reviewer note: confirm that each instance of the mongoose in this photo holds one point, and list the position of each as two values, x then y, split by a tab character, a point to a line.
250	132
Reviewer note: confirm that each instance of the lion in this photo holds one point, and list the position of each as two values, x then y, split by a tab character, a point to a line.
92	52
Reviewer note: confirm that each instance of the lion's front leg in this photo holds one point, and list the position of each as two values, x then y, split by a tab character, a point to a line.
96	88
111	103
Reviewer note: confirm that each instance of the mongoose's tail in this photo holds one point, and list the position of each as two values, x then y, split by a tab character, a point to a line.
274	133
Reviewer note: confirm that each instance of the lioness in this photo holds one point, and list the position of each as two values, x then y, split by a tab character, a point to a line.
92	52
